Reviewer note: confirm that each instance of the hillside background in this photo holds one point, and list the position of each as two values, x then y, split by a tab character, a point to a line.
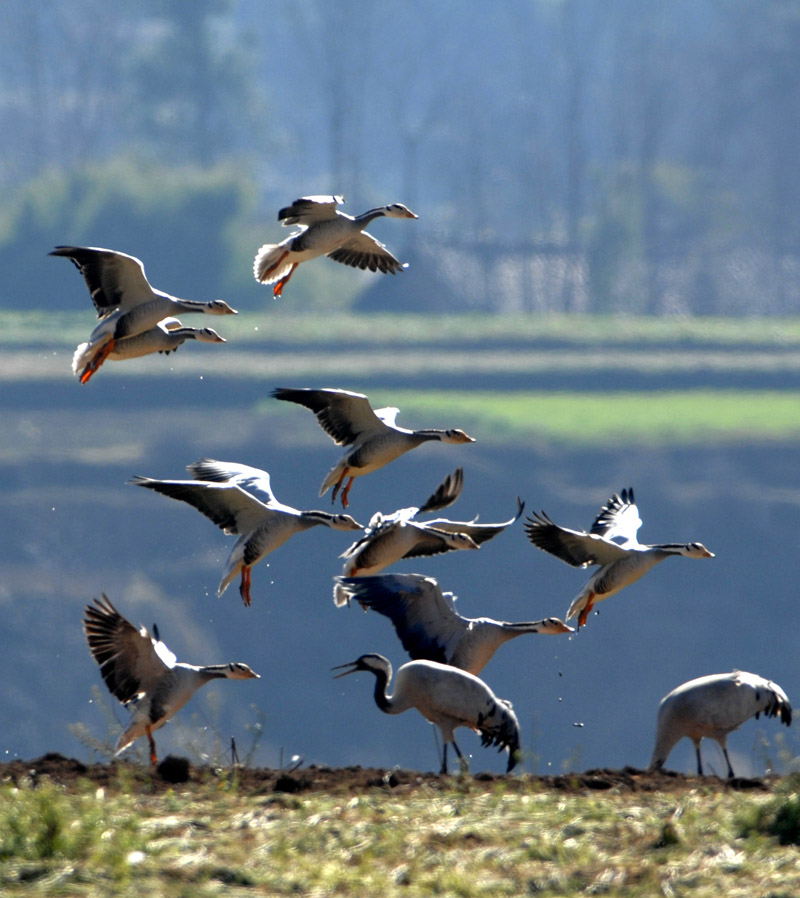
579	167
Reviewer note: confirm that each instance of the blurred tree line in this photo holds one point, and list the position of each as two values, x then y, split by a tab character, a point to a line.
587	155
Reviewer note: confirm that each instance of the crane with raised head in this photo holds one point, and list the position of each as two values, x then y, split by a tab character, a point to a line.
445	696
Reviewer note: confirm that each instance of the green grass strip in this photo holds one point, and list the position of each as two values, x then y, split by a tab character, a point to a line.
689	417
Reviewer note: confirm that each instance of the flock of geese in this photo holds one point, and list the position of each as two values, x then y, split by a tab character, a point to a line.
448	651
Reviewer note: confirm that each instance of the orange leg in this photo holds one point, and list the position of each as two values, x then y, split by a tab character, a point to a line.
346	492
244	587
97	361
338	484
152	742
278	288
586	611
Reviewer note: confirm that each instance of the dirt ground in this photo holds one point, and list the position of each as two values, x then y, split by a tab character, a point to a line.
68	772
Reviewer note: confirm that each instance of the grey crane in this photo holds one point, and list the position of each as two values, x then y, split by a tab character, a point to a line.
445	696
713	706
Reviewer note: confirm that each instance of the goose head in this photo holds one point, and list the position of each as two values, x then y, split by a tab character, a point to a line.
344	522
220	307
208	335
696	550
553	626
238	670
456	436
398	210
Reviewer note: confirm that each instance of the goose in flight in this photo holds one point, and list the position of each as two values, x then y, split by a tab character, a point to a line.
126	303
325	231
445	696
371	435
143	673
620	563
240	501
165	337
428	625
388	538
712	707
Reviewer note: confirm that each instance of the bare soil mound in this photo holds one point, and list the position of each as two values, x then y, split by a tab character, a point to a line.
122	775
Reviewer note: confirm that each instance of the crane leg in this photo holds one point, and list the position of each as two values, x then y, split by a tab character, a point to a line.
443	771
699	761
461	759
97	361
727	761
152	742
244	586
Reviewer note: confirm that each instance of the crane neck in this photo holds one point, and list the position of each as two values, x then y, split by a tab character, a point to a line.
382	699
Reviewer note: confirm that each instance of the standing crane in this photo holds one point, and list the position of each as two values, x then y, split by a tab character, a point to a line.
712	707
428	625
144	674
620	564
391	537
239	500
325	231
126	303
445	696
375	440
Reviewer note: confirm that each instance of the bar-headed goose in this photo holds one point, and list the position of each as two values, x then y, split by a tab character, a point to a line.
325	231
390	537
165	337
126	303
240	501
375	440
427	623
143	673
620	564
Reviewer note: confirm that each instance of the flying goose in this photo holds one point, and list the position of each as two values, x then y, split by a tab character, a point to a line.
324	230
165	337
712	707
428	625
239	500
388	538
143	673
126	303
620	563
375	440
445	696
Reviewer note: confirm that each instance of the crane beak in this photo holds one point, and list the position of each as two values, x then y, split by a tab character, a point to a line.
352	668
